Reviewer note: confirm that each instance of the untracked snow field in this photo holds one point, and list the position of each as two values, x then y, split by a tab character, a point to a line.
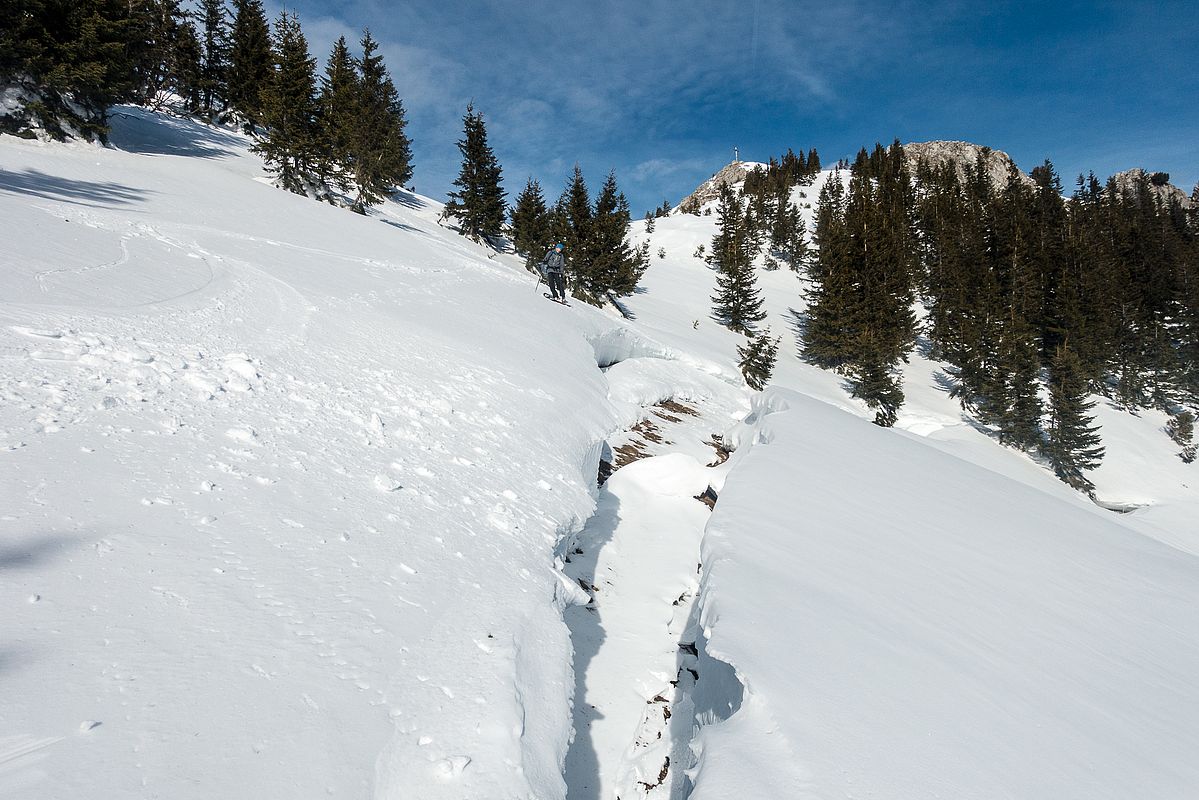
297	503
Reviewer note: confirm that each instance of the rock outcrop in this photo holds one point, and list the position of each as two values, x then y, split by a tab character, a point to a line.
1159	184
960	154
709	190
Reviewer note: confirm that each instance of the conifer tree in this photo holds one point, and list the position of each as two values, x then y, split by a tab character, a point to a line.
214	70
1072	442
338	112
828	331
614	267
737	302
159	25
187	80
380	156
291	144
249	59
813	162
1181	428
75	59
531	224
757	358
479	201
573	222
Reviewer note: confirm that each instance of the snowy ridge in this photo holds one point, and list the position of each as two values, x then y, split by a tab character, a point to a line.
1029	648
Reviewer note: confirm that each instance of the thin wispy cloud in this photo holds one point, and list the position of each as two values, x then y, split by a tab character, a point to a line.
635	86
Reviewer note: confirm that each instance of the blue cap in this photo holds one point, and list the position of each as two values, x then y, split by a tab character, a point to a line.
559	246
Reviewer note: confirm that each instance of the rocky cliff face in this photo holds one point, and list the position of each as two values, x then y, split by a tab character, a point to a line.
998	163
1159	184
709	190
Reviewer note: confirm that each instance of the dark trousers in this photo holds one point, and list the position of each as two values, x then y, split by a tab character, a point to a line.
557	283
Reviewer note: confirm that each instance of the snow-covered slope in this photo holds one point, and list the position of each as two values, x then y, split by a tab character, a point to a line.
293	503
281	486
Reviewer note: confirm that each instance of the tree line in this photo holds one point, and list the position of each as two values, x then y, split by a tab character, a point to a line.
1035	301
339	137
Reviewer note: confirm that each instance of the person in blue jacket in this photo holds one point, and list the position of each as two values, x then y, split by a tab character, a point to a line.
553	267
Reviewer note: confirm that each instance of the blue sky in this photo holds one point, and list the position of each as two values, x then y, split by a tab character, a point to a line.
662	91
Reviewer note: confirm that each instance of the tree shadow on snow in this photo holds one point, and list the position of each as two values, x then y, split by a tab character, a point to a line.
407	199
587	636
137	130
37	551
402	226
53	187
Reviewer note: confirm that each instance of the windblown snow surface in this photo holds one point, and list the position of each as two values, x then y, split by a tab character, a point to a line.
299	503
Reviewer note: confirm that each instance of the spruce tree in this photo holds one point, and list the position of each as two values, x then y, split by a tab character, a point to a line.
614	267
757	358
338	106
573	223
73	60
187	80
1072	442
737	302
380	155
1181	428
478	204
159	25
829	331
249	59
291	144
214	70
531	224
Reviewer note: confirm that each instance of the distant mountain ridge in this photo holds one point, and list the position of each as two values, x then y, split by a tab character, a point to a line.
937	153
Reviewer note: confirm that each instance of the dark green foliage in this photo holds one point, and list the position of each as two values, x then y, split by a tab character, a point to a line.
72	59
1181	429
380	153
338	117
478	203
1072	442
159	26
1011	275
249	59
757	359
291	145
187	77
860	318
780	175
828	333
601	264
572	220
214	60
737	302
532	233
